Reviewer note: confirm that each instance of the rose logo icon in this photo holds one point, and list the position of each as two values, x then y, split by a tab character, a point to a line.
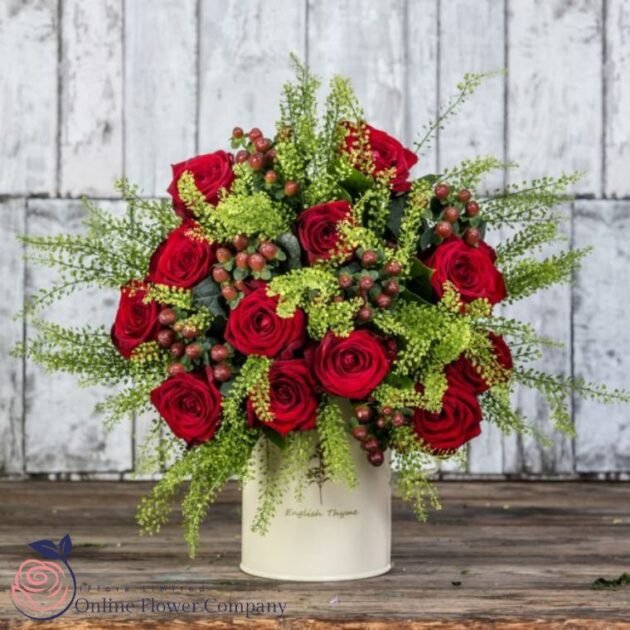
45	589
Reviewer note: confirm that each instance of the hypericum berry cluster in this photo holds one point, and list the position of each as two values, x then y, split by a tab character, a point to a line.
456	214
374	426
259	153
371	279
243	259
188	349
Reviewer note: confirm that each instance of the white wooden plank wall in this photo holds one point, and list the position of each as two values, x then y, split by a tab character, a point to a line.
92	91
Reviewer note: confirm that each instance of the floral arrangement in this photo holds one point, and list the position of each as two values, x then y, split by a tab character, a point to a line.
298	271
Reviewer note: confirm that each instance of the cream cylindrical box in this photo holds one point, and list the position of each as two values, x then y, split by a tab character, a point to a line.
333	533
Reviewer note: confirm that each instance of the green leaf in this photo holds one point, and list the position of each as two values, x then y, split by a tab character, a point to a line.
240	274
291	247
357	182
396	212
420	283
427	239
274	437
207	293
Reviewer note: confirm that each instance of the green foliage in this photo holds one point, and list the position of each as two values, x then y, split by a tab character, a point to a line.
469	173
413	222
528	240
334	439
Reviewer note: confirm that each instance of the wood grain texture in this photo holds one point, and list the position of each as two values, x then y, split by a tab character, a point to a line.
160	104
495	552
62	432
12	223
601	348
617	95
91	145
28	96
554	89
365	42
243	63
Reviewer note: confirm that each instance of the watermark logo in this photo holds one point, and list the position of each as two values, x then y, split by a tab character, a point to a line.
45	589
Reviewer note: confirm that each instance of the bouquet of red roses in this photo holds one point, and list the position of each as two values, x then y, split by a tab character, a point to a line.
303	269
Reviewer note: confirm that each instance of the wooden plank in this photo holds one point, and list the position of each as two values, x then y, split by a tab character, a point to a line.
28	97
617	99
365	42
550	314
78	441
12	223
462	50
554	94
160	104
91	144
479	127
601	340
244	61
421	77
495	552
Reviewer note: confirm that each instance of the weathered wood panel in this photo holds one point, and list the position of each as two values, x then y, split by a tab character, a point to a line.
28	96
601	340
12	223
160	89
62	432
617	95
554	89
243	63
365	42
91	143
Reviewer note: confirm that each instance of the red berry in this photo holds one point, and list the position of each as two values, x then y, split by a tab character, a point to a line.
167	317
345	280
165	338
262	144
242	260
220	275
399	420
194	350
442	191
240	285
256	161
176	368
472	236
451	214
237	132
387	411
366	283
364	314
222	372
254	134
371	444
369	258
229	292
391	287
219	353
381	422
242	156
359	432
338	299
444	229
223	254
189	332
464	195
270	157
257	262
383	300
376	458
393	268
268	250
271	177
291	189
240	242
363	413
177	349
472	208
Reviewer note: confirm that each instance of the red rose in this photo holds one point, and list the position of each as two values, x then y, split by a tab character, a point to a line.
470	269
212	172
466	371
457	422
191	405
387	153
181	260
136	322
293	401
254	327
350	366
317	228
